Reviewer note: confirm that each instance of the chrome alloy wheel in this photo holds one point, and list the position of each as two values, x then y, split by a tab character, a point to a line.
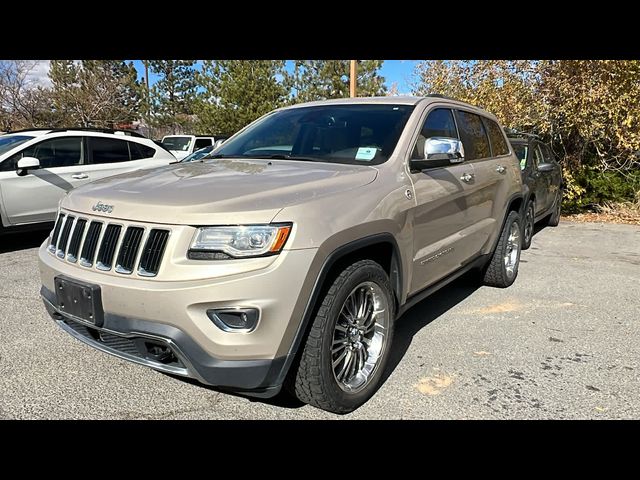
512	250
360	336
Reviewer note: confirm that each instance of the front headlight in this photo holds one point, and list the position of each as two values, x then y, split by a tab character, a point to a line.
242	241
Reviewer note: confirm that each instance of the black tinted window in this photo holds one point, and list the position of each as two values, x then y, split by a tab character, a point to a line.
546	153
498	143
108	150
201	143
57	152
439	123
139	151
473	135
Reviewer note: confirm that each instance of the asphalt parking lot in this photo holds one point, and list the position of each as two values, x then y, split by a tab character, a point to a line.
563	342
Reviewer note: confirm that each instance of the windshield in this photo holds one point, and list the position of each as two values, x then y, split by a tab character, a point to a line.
9	142
198	155
176	143
356	134
521	152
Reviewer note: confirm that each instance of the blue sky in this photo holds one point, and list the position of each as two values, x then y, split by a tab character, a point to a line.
393	70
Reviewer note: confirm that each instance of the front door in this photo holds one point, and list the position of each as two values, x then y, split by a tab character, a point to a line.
440	217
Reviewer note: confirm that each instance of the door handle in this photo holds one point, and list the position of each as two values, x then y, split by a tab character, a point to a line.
467	177
500	169
79	176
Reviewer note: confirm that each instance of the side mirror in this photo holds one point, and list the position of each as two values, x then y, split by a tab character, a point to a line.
27	163
545	167
439	152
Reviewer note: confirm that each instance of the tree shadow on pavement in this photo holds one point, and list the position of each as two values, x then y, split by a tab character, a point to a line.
13	242
425	312
414	320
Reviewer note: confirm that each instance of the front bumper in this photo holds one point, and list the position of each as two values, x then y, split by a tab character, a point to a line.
172	315
133	340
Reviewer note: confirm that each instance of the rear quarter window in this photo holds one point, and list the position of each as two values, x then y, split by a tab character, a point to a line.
498	143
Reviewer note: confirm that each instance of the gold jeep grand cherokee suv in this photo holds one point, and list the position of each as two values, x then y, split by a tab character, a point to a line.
286	258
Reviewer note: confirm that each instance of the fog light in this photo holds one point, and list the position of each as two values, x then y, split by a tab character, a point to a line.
234	319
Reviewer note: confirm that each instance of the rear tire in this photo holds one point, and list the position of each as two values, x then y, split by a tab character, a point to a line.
342	332
554	218
528	226
502	270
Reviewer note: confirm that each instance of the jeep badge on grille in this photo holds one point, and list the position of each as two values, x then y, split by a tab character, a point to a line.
101	207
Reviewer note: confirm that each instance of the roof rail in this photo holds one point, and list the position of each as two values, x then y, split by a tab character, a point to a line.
84	129
27	130
516	133
439	95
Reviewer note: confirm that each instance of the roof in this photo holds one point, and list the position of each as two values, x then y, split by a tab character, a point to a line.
394	100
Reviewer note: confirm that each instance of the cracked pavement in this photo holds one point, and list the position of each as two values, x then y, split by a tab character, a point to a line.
562	342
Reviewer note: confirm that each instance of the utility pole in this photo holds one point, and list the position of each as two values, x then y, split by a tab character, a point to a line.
352	79
148	96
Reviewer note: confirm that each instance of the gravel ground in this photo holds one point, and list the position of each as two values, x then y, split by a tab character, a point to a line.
563	342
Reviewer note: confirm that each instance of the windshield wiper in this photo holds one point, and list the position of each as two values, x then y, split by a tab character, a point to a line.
280	156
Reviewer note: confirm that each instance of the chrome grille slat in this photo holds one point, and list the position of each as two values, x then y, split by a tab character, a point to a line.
53	241
76	238
129	249
64	236
122	248
90	244
153	252
104	260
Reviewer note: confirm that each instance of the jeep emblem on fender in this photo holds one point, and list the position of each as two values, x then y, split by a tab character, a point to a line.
101	207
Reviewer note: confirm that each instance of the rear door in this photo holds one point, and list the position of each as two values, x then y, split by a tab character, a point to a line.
486	201
440	217
554	178
34	197
539	180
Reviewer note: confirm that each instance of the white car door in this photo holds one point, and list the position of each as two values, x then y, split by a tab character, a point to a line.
34	197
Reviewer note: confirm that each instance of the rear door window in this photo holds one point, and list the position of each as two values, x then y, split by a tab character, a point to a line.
473	135
108	150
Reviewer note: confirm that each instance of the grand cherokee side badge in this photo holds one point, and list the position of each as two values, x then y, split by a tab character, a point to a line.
101	207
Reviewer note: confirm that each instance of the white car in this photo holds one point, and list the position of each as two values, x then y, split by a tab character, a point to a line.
38	167
182	145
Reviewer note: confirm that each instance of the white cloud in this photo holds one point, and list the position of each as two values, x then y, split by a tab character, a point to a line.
40	72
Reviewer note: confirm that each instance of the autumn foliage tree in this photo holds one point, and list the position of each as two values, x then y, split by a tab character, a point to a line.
587	109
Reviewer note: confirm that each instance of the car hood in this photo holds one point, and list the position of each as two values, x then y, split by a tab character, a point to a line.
221	191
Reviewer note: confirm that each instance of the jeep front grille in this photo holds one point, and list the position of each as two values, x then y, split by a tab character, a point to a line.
102	250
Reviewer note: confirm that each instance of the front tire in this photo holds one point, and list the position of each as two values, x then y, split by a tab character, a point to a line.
528	226
347	349
502	270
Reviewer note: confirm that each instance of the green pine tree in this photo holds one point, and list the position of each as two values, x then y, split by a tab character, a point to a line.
173	95
236	92
324	79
